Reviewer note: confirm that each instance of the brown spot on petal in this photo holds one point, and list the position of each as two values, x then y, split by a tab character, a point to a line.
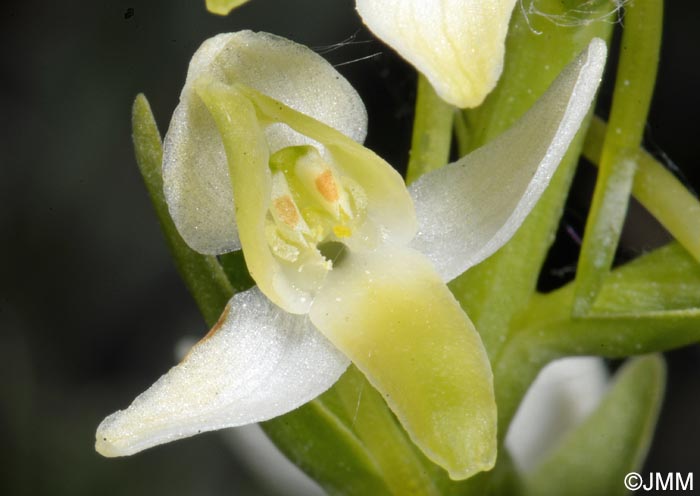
325	184
211	332
286	210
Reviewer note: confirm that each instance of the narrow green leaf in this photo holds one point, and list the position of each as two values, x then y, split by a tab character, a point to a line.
651	304
202	275
658	190
404	471
611	337
619	336
432	132
636	75
322	446
612	442
666	279
223	7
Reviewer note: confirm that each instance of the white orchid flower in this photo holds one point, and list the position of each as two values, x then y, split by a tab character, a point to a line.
564	394
457	44
262	155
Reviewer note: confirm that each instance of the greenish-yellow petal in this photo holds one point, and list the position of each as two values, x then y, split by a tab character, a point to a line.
223	7
391	314
248	155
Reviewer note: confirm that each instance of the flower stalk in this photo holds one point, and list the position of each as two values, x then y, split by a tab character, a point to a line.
636	76
432	132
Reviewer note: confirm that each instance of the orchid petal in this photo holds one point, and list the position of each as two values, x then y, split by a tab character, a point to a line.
238	112
196	178
469	209
255	364
457	44
223	7
390	313
563	395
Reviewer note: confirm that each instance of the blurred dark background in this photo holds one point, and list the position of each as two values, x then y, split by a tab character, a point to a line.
90	304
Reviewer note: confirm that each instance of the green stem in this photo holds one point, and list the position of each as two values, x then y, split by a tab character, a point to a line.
462	135
432	132
640	311
657	190
634	86
608	336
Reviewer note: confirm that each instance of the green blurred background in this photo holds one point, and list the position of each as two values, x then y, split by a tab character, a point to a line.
90	305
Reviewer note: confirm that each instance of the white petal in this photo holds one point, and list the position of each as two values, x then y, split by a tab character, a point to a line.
197	190
196	180
469	209
257	363
562	396
457	44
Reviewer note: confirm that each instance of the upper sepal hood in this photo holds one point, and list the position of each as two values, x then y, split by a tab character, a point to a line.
195	173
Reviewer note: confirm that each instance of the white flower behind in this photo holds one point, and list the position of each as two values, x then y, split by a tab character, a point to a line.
457	44
565	392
